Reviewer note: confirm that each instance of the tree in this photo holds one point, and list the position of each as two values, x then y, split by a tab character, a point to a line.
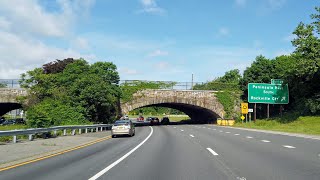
56	66
91	90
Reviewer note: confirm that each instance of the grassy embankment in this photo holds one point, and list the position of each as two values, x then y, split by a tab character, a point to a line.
302	124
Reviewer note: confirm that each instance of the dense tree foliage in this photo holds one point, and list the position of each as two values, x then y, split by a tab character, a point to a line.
76	88
56	66
229	81
300	69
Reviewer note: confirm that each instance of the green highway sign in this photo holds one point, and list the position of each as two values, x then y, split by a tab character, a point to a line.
268	93
276	81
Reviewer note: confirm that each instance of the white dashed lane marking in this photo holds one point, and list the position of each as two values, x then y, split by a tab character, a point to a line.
221	131
236	134
266	141
227	132
287	146
181	130
249	137
212	152
191	135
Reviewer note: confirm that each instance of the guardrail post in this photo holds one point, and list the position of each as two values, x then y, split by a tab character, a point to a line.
80	131
30	137
97	129
91	129
55	132
15	139
73	132
101	128
86	130
64	132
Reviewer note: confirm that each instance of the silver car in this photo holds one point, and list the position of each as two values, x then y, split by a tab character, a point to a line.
122	127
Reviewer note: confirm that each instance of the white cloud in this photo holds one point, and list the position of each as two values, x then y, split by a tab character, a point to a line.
4	23
34	19
127	71
276	4
162	65
24	27
289	38
223	32
283	52
151	6
80	43
241	3
158	52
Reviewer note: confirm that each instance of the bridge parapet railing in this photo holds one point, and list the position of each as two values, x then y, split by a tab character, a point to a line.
31	132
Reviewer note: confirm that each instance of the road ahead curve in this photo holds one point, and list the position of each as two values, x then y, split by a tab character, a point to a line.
184	152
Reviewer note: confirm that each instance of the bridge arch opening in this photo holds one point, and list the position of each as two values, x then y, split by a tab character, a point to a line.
197	114
7	107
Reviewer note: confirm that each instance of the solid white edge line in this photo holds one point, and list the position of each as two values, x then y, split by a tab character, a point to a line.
99	174
287	146
191	135
265	141
212	152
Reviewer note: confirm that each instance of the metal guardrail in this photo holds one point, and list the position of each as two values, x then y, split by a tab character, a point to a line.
32	132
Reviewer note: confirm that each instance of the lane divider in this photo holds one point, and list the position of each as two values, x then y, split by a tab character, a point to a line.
287	146
191	135
54	154
181	130
236	134
249	137
266	141
212	152
105	170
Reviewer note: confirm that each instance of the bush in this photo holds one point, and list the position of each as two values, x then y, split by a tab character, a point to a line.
54	113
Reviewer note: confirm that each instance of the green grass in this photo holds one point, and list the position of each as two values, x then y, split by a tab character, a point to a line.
12	127
303	125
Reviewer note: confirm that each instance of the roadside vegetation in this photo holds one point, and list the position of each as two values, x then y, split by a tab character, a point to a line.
71	92
303	124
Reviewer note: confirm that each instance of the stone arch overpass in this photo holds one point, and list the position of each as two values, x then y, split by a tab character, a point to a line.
8	99
199	105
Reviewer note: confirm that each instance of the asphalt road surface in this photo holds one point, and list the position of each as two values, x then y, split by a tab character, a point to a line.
181	152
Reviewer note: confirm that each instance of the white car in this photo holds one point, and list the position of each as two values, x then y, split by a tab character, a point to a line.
123	127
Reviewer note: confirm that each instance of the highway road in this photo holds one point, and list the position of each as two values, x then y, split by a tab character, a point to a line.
184	152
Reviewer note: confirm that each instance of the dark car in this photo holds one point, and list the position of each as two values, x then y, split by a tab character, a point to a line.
165	121
8	122
154	121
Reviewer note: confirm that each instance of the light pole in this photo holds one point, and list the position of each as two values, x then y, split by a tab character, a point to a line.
192	82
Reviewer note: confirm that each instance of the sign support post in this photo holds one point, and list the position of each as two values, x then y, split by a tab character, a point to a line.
268	109
255	112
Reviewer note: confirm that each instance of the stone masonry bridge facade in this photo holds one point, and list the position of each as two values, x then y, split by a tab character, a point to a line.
202	106
8	99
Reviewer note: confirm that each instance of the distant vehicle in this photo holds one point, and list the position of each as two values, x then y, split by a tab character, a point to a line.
2	120
20	121
154	121
8	122
165	121
123	127
140	118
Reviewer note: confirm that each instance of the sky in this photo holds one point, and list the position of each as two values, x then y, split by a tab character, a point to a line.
158	40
